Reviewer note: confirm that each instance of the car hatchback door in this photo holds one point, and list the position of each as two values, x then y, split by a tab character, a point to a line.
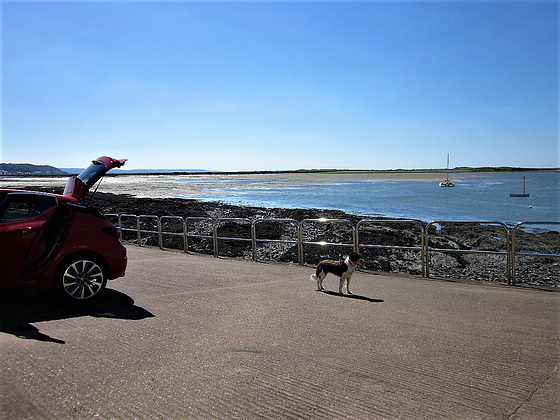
23	217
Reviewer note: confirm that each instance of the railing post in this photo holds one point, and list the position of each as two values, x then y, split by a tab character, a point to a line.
138	233
510	259
513	262
160	236
426	252
215	237
423	252
300	244
254	240
185	237
354	238
120	226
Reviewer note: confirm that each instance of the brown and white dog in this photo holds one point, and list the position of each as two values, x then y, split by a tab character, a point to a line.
342	268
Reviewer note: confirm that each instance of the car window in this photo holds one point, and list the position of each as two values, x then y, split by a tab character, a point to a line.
93	173
24	206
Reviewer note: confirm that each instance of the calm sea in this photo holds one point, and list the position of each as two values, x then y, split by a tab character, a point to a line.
483	197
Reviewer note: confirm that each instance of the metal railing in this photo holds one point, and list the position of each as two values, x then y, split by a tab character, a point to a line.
438	223
182	234
515	254
160	228
237	220
294	241
302	242
414	224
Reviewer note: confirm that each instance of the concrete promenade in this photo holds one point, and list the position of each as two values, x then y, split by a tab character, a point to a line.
195	337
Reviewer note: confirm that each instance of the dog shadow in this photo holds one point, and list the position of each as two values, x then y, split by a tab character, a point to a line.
357	297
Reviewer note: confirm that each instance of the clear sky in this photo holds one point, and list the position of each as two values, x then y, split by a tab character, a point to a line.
258	85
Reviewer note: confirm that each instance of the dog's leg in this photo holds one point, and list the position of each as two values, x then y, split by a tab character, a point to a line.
341	285
320	277
315	278
348	285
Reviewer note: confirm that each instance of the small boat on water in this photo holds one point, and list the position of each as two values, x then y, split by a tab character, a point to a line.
525	193
447	182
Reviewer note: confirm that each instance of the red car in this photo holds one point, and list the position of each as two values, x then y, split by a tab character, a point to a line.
54	241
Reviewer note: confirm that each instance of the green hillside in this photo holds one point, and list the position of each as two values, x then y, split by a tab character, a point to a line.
28	169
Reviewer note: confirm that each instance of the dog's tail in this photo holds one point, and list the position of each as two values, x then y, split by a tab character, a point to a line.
313	277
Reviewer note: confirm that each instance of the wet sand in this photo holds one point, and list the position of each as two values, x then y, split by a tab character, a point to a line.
428	176
163	185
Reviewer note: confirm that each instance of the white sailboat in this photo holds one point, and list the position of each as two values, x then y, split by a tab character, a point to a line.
447	182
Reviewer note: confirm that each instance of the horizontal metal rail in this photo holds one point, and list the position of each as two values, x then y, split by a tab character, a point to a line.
301	242
183	234
428	249
199	236
256	240
415	224
145	217
160	228
515	254
237	220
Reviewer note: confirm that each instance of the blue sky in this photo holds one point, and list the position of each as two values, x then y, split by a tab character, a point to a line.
281	85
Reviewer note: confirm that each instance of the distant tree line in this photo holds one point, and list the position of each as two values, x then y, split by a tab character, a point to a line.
30	169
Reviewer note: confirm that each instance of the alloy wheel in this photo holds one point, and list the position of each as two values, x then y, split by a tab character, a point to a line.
83	279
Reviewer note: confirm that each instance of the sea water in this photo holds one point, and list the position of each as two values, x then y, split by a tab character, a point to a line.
476	197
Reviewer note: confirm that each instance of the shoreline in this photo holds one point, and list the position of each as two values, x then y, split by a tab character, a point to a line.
479	196
429	176
189	186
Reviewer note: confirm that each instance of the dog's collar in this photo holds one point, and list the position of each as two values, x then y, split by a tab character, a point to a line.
347	260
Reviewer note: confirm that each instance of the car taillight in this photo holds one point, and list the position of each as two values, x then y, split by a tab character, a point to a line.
115	232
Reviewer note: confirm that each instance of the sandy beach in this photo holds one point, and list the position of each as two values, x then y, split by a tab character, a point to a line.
192	184
428	176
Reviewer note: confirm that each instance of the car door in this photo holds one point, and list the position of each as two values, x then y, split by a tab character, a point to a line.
23	217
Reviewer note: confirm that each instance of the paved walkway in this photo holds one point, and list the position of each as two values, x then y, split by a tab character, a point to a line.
191	336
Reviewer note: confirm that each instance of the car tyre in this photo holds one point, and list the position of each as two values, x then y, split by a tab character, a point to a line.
81	278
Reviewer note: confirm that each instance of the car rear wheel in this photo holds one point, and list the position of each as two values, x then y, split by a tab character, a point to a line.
82	278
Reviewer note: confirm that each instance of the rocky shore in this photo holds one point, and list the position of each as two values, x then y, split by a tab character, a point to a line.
474	266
